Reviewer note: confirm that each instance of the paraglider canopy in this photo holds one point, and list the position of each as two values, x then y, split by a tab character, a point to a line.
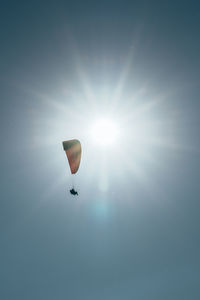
72	149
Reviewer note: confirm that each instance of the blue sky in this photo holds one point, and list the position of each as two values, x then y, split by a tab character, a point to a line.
133	232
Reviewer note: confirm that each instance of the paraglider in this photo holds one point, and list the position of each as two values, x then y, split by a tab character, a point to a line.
73	192
72	149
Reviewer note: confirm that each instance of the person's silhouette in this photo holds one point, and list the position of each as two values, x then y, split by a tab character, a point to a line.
73	192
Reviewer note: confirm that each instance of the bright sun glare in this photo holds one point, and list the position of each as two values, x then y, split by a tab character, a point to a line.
104	132
128	127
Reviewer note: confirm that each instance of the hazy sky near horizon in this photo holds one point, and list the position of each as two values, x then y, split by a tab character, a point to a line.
133	231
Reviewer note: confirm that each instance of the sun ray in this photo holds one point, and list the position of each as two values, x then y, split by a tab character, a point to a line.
146	122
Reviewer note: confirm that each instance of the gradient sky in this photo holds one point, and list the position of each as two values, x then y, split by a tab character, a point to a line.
133	232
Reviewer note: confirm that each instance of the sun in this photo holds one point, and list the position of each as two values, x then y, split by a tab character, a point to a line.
104	132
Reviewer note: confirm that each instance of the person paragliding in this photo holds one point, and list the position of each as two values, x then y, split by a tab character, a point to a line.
73	192
72	149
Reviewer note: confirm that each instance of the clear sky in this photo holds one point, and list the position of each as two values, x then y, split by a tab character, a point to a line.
133	231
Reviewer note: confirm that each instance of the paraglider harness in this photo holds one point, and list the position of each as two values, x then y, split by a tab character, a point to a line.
73	192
